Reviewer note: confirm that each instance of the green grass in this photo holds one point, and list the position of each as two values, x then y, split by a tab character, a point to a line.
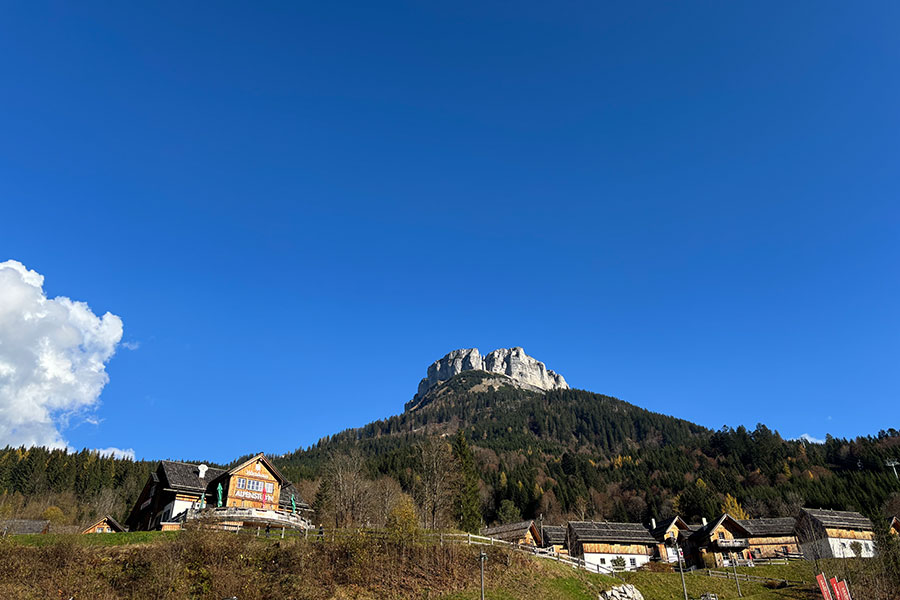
93	539
667	586
550	581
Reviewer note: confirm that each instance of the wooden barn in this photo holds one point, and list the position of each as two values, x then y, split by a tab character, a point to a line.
105	525
606	544
554	536
254	493
772	538
524	532
716	542
23	527
834	534
671	529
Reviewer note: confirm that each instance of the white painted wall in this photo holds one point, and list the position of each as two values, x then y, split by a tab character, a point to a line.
836	548
605	560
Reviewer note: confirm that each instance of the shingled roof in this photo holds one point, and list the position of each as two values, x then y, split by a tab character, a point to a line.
186	476
23	526
508	531
554	534
769	527
604	531
839	519
659	532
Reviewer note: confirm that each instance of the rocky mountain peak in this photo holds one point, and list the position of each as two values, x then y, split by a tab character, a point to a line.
513	363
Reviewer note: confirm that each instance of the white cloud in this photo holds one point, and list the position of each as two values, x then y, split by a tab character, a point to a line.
53	355
117	452
131	345
808	438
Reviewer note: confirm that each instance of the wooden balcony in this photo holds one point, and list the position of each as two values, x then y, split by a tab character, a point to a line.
248	516
732	544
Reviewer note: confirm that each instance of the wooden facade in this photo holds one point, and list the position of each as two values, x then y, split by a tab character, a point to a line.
835	534
178	491
894	527
105	525
525	533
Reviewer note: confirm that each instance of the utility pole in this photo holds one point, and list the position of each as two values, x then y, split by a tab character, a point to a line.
482	557
893	464
674	542
734	570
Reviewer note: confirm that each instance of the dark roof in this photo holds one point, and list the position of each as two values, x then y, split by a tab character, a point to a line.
603	531
554	534
116	526
510	530
767	527
186	476
660	531
285	498
839	519
706	530
22	526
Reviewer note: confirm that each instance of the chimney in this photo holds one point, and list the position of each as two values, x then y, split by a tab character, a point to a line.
652	523
703	520
202	469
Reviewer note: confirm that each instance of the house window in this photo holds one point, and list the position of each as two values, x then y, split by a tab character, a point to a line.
270	488
254	486
784	549
242	483
602	561
633	562
721	535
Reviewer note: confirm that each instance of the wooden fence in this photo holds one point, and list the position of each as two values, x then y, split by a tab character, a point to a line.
432	537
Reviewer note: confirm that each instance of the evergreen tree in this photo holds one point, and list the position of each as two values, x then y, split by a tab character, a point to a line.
467	504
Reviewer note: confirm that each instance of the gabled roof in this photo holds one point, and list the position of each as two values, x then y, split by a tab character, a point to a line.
894	524
508	531
604	531
706	530
554	534
23	526
261	457
839	519
660	531
108	519
186	476
769	527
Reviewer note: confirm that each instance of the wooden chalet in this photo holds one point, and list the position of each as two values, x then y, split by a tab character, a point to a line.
675	529
894	526
105	525
254	493
23	527
720	540
524	533
602	543
834	534
772	538
554	536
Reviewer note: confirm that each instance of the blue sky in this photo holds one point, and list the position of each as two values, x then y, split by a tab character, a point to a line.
295	207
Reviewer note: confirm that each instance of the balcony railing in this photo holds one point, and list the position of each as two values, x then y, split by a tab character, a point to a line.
256	516
732	543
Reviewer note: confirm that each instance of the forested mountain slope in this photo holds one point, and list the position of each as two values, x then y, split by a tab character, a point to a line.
579	454
562	454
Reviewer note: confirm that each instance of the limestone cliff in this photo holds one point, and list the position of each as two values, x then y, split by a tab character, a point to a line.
520	368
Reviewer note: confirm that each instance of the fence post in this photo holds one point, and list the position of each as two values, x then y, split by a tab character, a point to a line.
442	538
469	537
282	532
